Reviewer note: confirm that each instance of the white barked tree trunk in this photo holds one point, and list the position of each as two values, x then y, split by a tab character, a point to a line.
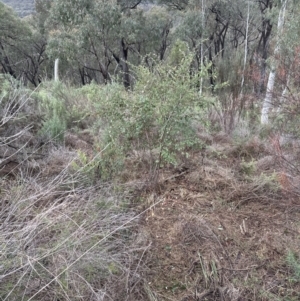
246	48
201	46
56	70
267	103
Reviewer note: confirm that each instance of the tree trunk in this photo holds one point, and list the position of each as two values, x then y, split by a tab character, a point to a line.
201	46
262	48
246	49
56	66
124	64
210	60
267	103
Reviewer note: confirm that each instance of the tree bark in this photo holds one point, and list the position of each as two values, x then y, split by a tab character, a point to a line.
262	48
201	46
124	64
246	48
56	66
267	103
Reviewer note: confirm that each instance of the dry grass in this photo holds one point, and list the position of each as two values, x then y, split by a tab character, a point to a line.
63	236
219	227
223	229
63	240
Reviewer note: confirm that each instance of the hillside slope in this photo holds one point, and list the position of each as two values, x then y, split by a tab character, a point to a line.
223	225
22	7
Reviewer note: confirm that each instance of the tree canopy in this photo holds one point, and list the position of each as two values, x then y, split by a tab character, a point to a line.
99	40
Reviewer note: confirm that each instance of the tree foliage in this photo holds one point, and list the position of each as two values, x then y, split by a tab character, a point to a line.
102	41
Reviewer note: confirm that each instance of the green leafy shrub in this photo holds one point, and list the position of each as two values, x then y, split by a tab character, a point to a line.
157	115
87	167
7	85
248	168
53	107
294	263
63	107
11	91
55	127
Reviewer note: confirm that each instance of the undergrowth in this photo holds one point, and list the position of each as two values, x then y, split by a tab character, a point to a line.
64	235
67	228
61	247
157	116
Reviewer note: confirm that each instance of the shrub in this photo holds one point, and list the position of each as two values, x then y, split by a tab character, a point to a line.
157	115
294	263
248	168
88	167
63	108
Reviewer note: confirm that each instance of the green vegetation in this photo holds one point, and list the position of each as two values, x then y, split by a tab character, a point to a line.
294	263
144	173
157	116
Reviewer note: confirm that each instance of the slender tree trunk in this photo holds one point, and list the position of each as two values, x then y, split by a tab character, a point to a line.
284	93
82	75
210	60
246	48
201	46
56	71
102	68
263	49
164	42
267	103
124	64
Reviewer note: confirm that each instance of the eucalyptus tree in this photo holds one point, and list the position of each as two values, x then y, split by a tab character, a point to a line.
283	80
215	30
81	34
36	65
288	72
13	34
264	29
97	36
34	59
132	24
22	50
155	34
267	103
288	65
145	31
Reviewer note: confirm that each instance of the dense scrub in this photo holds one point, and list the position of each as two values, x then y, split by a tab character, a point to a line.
145	174
115	194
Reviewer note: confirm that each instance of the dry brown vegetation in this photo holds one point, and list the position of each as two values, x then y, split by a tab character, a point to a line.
222	230
63	236
149	170
222	225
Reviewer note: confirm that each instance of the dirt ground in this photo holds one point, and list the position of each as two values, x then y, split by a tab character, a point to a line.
223	228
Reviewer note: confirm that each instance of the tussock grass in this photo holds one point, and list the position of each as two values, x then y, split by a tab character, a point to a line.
63	235
62	240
